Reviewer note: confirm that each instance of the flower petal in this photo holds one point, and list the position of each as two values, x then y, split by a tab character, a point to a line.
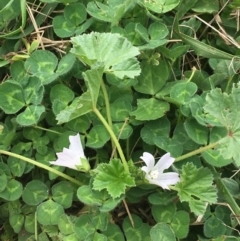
164	163
76	145
63	164
149	161
165	179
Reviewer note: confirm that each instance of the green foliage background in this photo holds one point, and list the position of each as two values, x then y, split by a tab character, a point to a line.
129	76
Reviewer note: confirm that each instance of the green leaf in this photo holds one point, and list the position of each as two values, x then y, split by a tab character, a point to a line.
111	51
196	132
31	115
203	49
168	145
112	12
156	128
95	198
161	198
16	221
80	124
152	78
93	80
61	92
33	91
42	64
180	135
224	107
195	187
97	137
80	106
19	73
214	227
162	231
101	11
113	233
180	224
49	212
205	6
140	231
157	31
3	180
88	196
183	91
11	97
161	6
214	158
75	13
35	192
112	175
29	223
65	64
177	50
62	27
120	109
59	1
62	193
65	224
13	191
87	224
18	166
122	130
224	214
164	213
150	109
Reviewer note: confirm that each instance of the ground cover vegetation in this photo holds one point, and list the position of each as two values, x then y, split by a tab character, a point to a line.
119	120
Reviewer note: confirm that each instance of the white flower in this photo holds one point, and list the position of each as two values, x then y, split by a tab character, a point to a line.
154	173
74	156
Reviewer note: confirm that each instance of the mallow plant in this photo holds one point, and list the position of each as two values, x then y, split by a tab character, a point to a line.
160	183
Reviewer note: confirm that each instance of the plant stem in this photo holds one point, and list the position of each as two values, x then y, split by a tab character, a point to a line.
42	166
106	99
114	138
226	194
45	129
192	74
195	152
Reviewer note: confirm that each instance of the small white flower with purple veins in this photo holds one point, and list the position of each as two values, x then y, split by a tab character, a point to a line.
74	156
154	173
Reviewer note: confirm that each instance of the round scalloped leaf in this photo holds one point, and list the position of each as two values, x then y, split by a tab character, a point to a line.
111	51
161	6
31	115
11	97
